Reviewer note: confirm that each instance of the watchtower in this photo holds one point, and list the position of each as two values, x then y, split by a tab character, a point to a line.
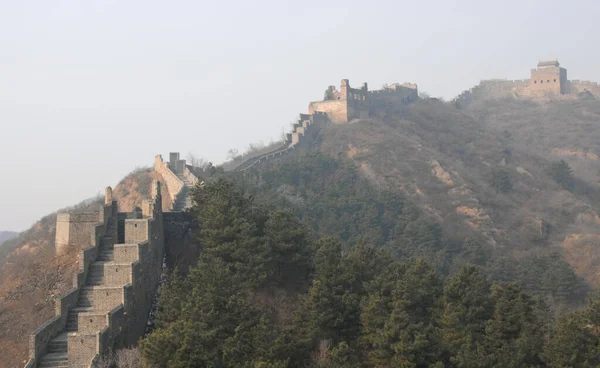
548	79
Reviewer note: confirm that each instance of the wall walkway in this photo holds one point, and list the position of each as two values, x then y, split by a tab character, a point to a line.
304	130
109	304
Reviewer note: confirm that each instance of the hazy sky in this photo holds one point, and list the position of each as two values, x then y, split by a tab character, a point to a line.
89	90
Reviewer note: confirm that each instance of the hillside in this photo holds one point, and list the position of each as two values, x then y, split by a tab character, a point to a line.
447	161
423	180
32	277
268	291
6	235
444	160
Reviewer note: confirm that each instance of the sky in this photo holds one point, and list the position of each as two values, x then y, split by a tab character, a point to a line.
90	90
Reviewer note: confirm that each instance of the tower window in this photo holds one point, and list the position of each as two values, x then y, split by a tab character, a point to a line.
548	81
534	82
541	81
555	81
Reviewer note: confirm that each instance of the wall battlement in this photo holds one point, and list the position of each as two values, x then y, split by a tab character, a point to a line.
179	179
349	103
112	293
547	81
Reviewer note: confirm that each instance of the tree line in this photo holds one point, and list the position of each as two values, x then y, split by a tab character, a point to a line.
268	291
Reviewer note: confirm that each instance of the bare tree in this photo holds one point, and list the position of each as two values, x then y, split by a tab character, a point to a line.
253	147
129	358
233	154
124	358
196	161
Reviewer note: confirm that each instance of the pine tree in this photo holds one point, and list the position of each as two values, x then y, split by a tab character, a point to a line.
575	339
401	330
562	174
171	297
289	250
502	181
514	334
331	305
467	308
232	229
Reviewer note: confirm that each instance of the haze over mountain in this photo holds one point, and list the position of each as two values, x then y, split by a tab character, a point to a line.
435	208
139	73
424	179
6	235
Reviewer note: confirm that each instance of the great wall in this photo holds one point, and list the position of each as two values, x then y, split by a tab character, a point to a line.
122	254
119	269
548	82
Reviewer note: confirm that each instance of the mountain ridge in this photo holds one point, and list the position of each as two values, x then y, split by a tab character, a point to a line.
444	160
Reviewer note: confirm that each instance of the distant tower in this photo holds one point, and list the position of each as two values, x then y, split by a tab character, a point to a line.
548	79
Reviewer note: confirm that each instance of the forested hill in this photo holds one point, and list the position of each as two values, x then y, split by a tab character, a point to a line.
523	176
270	290
427	236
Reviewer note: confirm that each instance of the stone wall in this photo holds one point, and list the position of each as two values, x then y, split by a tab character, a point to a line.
173	183
75	229
189	175
38	340
121	305
179	179
355	103
548	81
578	86
305	132
336	110
493	89
395	95
113	305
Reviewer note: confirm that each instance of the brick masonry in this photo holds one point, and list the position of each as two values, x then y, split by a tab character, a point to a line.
109	304
548	81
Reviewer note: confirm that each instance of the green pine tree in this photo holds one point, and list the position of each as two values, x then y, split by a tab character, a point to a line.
467	308
561	173
501	181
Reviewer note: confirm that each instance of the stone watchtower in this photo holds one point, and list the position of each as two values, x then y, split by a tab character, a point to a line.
548	79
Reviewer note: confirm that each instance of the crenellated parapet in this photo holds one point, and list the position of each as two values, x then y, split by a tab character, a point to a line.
112	293
179	179
356	103
578	86
548	81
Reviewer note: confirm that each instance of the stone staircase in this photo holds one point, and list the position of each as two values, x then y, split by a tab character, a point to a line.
56	353
57	350
184	200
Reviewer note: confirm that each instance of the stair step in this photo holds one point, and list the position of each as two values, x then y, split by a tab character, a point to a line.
82	309
57	364
54	357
